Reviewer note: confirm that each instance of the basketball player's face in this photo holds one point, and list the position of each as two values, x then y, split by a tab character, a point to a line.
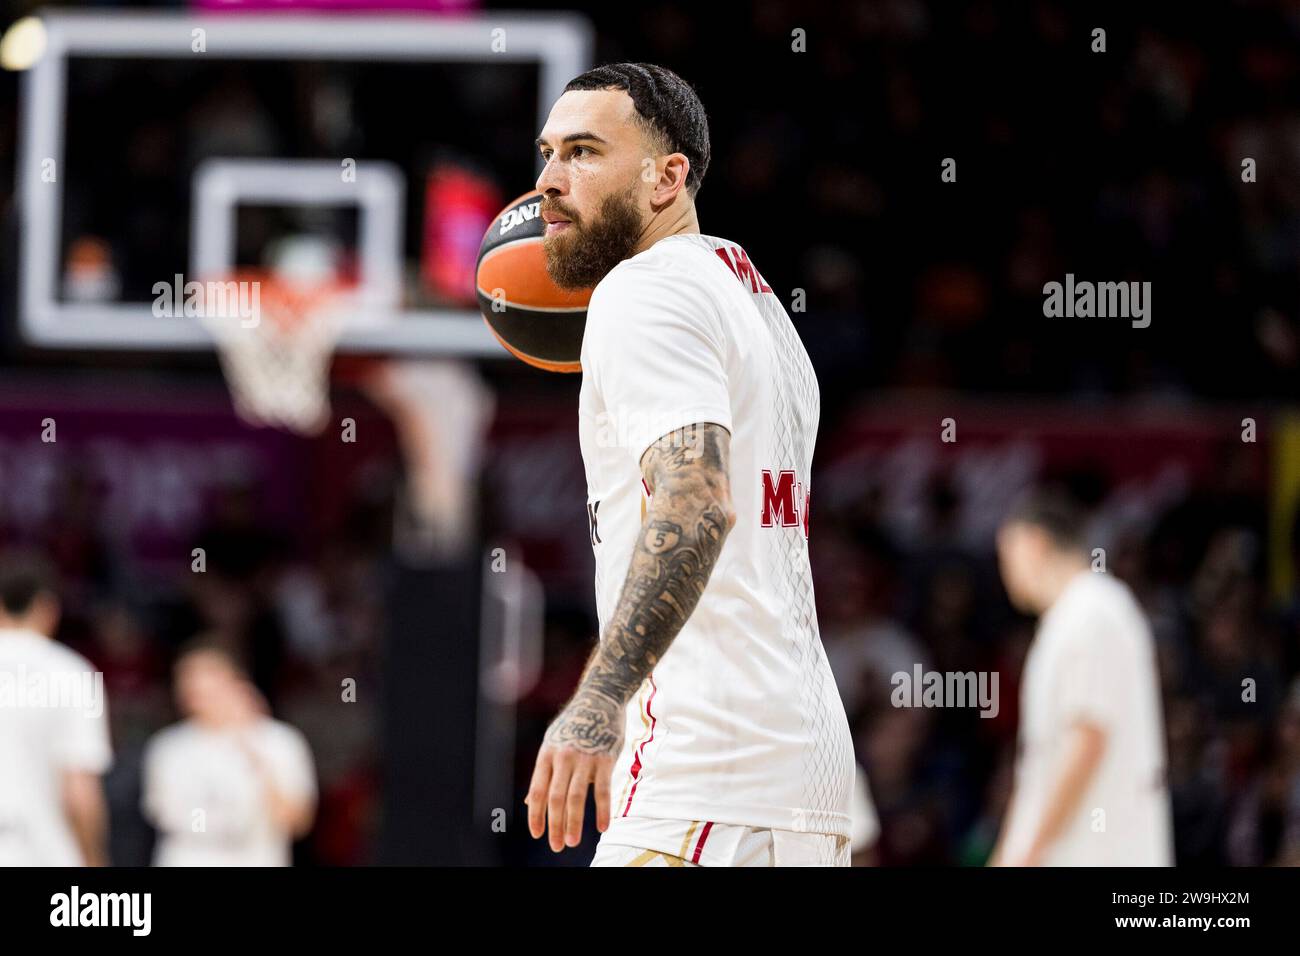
593	190
201	683
1021	553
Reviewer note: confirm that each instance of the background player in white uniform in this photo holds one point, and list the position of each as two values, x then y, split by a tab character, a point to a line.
707	719
54	740
1089	785
228	786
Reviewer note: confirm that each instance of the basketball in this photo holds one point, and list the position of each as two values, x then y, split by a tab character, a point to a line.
529	314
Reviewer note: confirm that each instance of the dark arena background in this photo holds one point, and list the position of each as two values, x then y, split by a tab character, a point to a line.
908	175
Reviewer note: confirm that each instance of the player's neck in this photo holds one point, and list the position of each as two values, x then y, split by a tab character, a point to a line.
1056	576
23	625
670	221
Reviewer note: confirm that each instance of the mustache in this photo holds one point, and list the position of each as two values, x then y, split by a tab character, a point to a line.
553	207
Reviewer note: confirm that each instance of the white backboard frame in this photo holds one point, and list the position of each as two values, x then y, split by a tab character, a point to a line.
375	188
560	43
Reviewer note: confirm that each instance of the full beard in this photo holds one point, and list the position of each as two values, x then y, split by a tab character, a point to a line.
583	254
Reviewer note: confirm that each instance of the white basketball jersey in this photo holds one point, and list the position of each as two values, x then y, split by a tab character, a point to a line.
740	722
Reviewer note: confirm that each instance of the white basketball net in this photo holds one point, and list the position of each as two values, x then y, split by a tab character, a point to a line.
276	350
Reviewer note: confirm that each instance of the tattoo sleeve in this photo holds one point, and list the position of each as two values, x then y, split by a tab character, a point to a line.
688	520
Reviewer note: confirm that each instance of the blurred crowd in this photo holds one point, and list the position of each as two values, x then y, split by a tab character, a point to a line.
305	620
1228	669
302	622
1121	165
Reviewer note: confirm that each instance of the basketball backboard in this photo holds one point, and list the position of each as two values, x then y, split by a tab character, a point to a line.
156	145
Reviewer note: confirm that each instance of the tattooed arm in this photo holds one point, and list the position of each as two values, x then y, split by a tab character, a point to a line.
680	540
685	526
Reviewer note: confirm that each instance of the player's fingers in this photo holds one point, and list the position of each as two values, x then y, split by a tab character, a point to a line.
575	806
603	783
557	794
537	790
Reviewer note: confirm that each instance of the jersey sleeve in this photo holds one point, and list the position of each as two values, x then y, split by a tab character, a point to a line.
84	742
654	348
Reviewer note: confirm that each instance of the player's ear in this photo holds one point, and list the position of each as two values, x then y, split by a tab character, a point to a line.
672	180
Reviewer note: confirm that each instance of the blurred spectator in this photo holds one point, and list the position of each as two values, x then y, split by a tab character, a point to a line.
228	785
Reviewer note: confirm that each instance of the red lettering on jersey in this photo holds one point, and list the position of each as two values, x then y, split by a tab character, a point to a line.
722	254
785	501
745	270
779	501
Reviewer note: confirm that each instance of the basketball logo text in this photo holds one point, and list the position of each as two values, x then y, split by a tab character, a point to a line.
519	216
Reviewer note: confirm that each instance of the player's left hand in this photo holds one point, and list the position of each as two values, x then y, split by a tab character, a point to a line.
579	750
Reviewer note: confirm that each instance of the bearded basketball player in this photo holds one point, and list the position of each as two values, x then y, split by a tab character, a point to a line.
707	720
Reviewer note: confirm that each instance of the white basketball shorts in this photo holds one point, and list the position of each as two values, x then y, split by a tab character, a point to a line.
639	841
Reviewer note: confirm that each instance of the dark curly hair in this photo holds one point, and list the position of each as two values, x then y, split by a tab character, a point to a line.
666	104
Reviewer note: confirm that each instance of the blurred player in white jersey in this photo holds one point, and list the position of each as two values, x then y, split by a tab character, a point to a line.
707	719
54	739
228	786
1089	784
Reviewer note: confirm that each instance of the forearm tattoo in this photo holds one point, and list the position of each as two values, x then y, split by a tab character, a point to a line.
684	530
590	723
681	538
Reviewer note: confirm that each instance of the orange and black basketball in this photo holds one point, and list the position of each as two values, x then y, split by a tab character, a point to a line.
530	315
